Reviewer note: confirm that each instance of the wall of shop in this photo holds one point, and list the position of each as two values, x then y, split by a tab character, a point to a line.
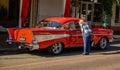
4	3
4	7
9	13
50	8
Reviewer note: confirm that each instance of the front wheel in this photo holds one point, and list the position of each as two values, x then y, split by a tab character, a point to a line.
56	48
103	43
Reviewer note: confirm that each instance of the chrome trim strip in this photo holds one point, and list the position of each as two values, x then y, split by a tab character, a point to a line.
34	47
50	37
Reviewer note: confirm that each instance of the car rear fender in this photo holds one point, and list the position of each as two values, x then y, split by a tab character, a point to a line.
48	38
24	35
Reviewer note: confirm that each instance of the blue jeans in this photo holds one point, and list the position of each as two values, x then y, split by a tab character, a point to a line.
87	43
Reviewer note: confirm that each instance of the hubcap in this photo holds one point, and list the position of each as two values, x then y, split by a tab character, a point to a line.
103	43
56	48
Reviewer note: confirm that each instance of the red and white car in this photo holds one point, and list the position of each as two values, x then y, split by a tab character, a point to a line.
57	33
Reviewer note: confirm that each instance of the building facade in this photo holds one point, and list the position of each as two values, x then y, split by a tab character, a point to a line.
92	10
9	13
39	9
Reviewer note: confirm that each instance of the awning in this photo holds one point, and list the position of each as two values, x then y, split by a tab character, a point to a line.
24	6
67	8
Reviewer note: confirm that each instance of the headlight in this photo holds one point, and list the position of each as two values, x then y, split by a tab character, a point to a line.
22	39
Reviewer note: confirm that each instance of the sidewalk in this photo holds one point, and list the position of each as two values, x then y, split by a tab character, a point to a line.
116	36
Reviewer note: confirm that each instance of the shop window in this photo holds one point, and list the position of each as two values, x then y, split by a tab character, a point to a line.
77	26
97	13
76	8
87	0
73	8
4	9
95	1
100	1
9	13
117	16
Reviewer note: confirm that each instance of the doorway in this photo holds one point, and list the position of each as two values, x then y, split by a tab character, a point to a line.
83	9
9	13
87	9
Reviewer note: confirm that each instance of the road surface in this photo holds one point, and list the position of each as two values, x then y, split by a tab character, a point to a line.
70	59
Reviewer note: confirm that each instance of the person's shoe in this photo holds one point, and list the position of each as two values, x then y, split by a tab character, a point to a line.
85	53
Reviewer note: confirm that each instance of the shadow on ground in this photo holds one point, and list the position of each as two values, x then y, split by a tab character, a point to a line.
67	52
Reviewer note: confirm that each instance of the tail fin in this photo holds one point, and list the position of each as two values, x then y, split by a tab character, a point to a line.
11	33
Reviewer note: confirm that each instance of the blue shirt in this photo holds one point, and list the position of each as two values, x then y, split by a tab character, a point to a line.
85	28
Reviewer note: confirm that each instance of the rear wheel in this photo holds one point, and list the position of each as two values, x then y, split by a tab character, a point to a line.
103	44
56	48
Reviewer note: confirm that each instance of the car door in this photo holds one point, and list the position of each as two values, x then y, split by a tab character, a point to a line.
75	34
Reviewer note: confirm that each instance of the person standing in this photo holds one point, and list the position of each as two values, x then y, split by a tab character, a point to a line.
87	35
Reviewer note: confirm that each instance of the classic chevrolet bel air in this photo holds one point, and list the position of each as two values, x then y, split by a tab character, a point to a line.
57	33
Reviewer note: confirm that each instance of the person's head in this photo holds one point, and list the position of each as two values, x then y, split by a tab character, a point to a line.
80	21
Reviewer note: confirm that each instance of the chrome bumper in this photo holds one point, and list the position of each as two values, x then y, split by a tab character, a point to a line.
111	40
32	46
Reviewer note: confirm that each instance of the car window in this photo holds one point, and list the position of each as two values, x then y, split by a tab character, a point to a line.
69	26
66	26
72	25
77	26
49	24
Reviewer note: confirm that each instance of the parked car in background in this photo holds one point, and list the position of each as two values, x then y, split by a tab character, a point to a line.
57	33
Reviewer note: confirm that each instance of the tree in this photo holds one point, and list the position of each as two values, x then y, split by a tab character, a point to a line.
107	6
107	10
117	2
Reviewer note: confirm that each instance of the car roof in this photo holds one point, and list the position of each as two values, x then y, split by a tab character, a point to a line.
63	20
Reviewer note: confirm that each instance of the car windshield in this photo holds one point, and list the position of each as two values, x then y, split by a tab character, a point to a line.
49	24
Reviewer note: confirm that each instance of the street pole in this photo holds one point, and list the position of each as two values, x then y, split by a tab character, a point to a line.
20	20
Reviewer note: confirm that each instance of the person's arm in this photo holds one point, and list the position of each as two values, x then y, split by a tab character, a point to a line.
81	27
